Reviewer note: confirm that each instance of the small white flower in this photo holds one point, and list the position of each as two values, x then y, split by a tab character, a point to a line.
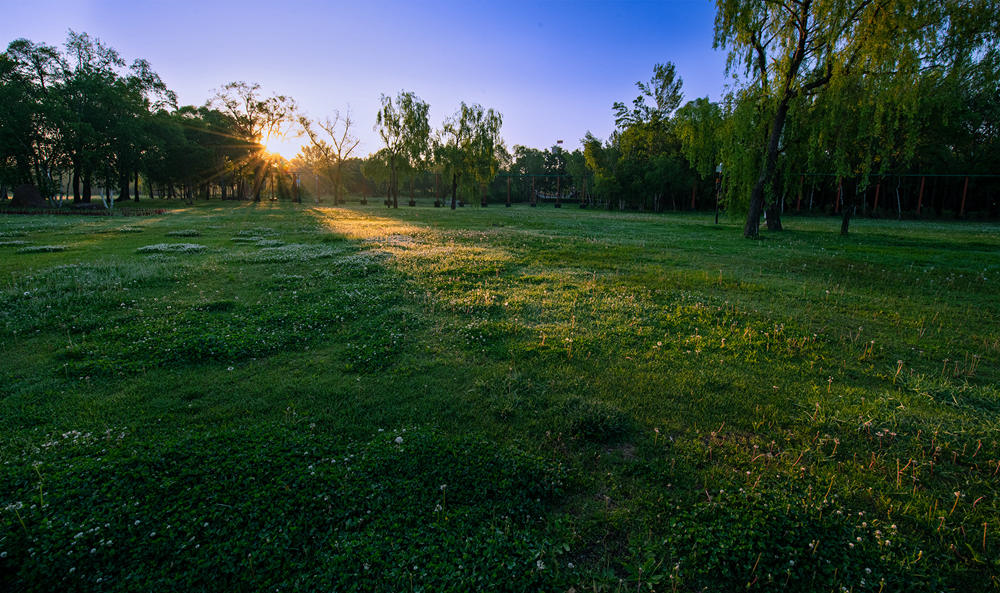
540	565
399	440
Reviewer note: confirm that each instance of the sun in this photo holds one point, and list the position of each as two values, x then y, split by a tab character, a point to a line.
282	146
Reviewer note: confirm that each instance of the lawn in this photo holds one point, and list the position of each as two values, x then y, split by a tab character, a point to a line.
240	397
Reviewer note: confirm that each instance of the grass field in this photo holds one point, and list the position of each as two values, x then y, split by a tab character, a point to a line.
238	397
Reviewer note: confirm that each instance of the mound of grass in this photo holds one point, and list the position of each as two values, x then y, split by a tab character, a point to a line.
293	252
172	248
43	248
184	233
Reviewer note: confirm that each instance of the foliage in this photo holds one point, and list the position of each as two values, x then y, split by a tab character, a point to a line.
844	73
469	149
405	129
642	165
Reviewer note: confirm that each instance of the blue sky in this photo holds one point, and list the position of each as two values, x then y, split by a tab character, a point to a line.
552	68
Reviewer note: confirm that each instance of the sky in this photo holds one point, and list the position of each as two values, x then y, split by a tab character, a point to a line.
552	68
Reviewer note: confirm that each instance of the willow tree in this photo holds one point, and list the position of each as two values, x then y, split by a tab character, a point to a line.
469	147
487	151
405	129
697	124
791	52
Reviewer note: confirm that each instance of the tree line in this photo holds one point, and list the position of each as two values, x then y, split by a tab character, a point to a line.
846	93
84	119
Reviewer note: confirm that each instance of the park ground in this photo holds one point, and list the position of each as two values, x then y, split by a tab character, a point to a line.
248	397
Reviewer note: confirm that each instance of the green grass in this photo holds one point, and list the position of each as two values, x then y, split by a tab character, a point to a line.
510	399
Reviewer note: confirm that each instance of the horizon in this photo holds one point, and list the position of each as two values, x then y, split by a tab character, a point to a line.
519	66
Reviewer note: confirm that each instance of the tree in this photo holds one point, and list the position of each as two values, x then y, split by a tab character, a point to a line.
377	168
30	139
603	159
698	125
794	50
329	157
663	90
256	120
405	129
469	147
487	150
106	106
641	165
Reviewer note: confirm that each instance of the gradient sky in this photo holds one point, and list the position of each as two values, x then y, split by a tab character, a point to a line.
552	68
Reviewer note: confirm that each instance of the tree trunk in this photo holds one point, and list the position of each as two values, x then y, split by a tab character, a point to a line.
259	181
76	184
394	184
136	185
849	207
336	186
774	217
123	183
86	187
454	190
751	229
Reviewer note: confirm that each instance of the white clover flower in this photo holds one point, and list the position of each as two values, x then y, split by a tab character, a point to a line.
398	440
